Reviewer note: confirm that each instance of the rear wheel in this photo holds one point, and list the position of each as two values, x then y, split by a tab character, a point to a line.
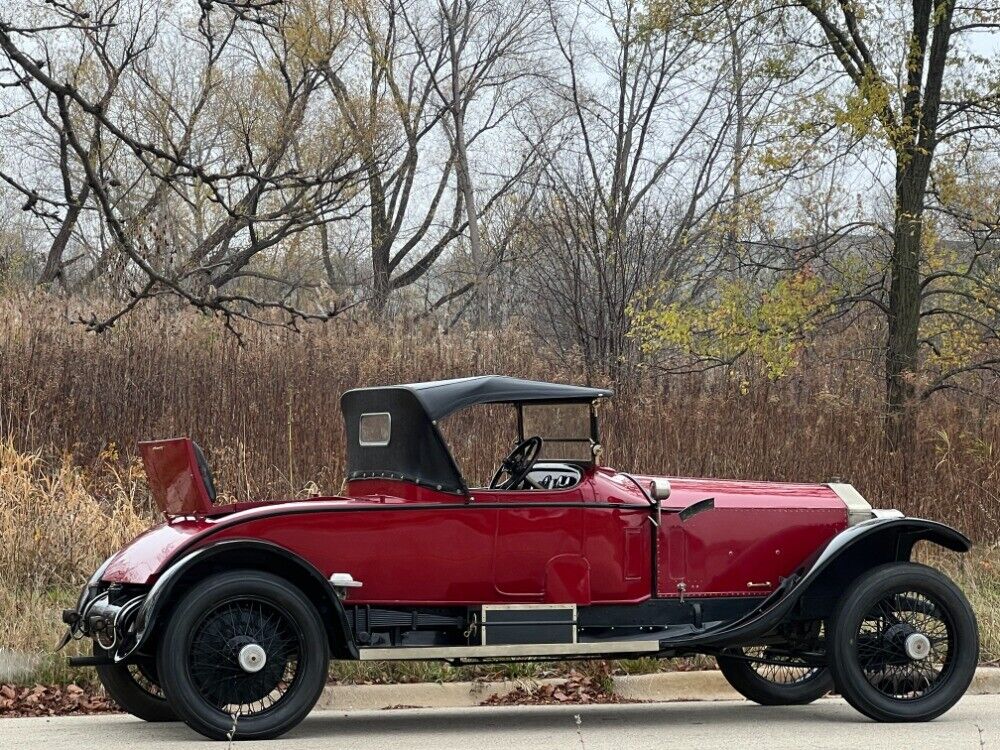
773	677
135	687
244	655
904	643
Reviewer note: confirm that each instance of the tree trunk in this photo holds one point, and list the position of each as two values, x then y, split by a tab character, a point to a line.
54	261
381	271
904	311
380	278
464	173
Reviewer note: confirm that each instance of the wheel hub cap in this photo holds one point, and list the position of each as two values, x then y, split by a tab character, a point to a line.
918	646
252	658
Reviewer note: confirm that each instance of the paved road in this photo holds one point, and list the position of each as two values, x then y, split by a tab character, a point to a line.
735	725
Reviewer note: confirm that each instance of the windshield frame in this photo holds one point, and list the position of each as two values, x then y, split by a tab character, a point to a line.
593	440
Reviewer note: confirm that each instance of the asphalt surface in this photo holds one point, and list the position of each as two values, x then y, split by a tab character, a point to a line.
734	725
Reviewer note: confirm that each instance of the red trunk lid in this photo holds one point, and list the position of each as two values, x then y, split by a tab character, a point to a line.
175	478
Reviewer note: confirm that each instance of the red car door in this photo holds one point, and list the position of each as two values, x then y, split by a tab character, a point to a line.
618	540
538	552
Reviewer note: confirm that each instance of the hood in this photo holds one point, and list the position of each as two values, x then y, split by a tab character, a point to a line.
685	490
741	493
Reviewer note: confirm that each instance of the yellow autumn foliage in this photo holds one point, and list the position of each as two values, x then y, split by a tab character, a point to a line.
740	321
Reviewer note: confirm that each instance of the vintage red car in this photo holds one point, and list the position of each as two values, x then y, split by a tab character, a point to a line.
227	614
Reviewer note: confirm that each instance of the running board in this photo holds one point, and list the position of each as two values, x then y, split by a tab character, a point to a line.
513	651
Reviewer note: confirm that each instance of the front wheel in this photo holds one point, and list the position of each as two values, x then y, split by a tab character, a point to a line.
903	643
244	656
772	677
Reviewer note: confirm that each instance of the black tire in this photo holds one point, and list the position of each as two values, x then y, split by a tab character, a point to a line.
869	633
218	620
791	684
136	688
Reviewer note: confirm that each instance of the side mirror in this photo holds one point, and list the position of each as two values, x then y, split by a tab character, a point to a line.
659	489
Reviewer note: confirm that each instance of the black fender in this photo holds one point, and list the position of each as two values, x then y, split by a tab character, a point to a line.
244	553
819	582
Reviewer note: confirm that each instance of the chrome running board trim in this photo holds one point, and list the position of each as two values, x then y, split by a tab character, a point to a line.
512	651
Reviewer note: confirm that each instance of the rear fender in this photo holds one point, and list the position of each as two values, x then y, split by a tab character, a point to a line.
247	554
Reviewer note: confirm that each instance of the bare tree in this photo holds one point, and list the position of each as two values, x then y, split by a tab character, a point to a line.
639	173
492	48
430	68
254	172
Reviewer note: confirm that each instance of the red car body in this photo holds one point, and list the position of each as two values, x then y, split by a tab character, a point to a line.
557	558
585	545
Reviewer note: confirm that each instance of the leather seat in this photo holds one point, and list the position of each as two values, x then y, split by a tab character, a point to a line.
206	472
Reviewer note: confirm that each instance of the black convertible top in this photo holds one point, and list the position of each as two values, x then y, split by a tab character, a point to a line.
416	451
442	397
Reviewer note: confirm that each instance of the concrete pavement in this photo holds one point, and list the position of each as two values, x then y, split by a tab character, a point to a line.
830	723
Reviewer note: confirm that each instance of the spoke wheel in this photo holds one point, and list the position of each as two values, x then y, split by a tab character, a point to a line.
779	668
773	677
244	655
903	643
244	627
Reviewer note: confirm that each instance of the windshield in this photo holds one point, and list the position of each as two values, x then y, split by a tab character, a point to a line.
479	437
564	428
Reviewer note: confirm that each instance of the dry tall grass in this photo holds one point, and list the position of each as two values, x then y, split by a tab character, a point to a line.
57	523
267	411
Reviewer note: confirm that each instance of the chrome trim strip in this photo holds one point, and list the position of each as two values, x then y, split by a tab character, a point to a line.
509	607
344	580
888	514
517	650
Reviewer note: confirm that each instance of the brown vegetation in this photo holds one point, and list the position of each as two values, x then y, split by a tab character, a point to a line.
267	410
47	700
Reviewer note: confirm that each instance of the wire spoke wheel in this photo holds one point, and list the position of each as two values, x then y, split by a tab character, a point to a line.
244	656
778	674
135	687
905	644
779	668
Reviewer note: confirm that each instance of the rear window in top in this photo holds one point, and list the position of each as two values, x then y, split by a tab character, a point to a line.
375	428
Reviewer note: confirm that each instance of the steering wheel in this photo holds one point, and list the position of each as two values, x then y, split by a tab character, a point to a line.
518	464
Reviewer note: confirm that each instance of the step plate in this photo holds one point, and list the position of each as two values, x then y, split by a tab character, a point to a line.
511	651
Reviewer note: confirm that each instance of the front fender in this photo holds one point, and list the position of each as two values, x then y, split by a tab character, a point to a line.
862	547
252	554
815	588
905	533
